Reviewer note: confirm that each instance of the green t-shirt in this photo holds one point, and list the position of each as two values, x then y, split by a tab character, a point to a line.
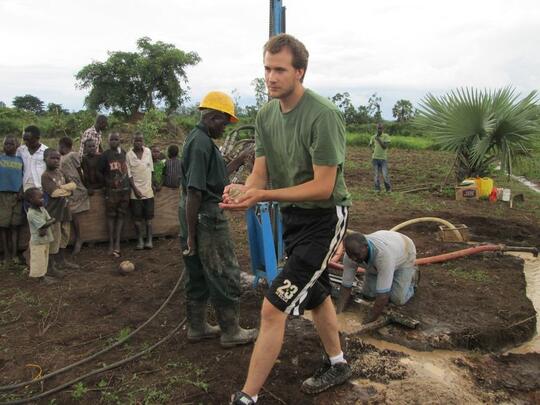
378	151
36	219
203	167
313	133
157	174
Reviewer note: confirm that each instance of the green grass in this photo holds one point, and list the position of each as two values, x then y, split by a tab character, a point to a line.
479	276
397	141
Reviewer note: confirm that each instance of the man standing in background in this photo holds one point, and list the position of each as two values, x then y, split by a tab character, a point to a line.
95	133
379	144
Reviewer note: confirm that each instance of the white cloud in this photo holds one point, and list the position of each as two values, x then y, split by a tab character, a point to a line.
398	49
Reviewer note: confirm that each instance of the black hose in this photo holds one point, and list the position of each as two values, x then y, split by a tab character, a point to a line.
99	353
98	371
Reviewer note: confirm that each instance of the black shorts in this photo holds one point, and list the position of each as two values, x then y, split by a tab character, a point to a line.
311	237
142	209
116	203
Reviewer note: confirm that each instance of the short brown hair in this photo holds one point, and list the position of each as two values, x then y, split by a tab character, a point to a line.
299	52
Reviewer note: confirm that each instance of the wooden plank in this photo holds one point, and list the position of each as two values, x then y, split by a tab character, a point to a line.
94	221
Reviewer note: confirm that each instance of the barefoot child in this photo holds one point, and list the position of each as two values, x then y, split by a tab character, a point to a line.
70	166
140	165
115	173
41	237
11	213
58	190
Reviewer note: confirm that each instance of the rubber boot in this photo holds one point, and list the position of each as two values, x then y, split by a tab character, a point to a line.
198	328
140	239
148	244
232	334
52	270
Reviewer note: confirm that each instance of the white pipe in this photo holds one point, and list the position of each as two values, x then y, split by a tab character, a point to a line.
430	219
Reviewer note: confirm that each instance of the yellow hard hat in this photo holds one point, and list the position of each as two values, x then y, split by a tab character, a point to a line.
217	100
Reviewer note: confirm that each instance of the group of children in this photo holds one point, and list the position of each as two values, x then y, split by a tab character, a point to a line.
128	180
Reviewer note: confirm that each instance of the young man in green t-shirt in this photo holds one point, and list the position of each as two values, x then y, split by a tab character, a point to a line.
300	151
379	144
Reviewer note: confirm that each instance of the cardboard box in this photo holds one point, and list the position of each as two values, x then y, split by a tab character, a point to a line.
449	234
467	192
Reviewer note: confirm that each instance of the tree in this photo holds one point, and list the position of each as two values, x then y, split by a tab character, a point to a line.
344	103
481	127
28	103
57	109
2	104
403	111
135	81
374	107
261	93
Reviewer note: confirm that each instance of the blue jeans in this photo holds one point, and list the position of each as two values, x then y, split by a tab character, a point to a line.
402	286
381	166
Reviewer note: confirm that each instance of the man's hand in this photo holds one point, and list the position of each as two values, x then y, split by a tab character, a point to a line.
191	247
231	192
137	193
371	318
239	199
381	301
42	231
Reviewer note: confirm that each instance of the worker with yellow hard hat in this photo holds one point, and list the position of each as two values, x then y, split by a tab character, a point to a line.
213	273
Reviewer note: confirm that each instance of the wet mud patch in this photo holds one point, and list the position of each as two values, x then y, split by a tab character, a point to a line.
373	364
517	375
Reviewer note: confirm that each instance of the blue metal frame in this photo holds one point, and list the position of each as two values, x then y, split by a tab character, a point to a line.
265	237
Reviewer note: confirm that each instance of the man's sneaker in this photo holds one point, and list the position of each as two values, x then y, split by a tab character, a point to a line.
334	375
241	398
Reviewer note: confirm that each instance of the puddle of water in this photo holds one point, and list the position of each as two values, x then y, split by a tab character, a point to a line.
436	366
531	268
527	183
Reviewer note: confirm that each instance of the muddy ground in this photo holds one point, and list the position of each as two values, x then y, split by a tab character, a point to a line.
475	303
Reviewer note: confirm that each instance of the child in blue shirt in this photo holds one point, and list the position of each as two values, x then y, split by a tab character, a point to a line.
11	212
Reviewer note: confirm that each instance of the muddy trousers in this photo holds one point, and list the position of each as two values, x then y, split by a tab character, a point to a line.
402	285
380	169
213	273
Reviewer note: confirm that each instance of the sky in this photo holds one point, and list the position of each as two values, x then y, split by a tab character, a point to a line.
398	49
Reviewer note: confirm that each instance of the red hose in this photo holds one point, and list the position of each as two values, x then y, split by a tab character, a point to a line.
440	258
460	253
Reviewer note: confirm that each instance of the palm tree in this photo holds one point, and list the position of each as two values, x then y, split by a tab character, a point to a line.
481	127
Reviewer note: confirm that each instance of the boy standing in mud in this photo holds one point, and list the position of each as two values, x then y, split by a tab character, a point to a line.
300	151
115	172
11	212
58	190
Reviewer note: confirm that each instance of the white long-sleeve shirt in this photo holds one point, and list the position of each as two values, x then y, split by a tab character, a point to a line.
34	166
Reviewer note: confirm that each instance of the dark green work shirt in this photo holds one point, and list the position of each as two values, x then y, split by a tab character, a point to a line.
203	167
